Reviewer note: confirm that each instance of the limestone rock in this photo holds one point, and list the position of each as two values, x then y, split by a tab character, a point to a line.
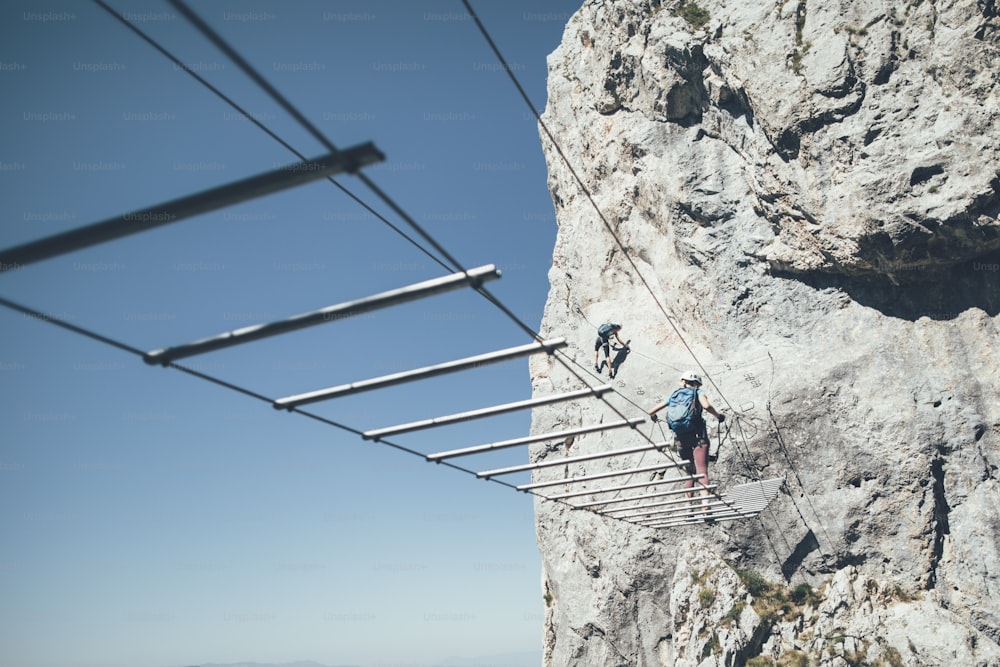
804	201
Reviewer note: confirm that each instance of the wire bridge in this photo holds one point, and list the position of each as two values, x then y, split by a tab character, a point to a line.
643	483
659	501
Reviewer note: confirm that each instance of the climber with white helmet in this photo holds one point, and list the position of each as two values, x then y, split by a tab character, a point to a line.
684	416
604	333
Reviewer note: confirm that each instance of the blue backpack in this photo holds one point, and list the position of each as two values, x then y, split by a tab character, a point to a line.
683	411
605	330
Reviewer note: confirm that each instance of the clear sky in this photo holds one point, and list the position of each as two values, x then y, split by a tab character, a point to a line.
152	519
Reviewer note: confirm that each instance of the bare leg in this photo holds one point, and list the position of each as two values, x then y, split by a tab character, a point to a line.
701	467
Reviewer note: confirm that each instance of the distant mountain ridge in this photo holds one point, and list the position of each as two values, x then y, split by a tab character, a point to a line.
522	659
306	663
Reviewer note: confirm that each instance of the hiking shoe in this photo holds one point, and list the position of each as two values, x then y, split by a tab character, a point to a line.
597	368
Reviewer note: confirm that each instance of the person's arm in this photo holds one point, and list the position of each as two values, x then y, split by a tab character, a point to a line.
709	408
652	413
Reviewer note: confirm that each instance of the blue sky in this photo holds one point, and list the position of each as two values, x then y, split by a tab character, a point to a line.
154	519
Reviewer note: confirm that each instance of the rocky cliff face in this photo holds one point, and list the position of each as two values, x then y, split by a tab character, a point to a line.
811	192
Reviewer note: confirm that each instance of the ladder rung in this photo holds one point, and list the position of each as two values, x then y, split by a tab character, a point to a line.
333	313
349	160
290	402
646	496
548	463
624	487
375	434
602	475
534	438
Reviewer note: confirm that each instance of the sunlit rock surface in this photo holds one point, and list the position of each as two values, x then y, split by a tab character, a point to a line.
810	191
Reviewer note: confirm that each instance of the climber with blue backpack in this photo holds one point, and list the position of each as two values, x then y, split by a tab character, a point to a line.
684	417
604	334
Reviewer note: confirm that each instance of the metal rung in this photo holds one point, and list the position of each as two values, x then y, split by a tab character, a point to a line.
587	478
631	511
712	509
534	438
741	502
749	507
484	412
646	496
574	459
676	524
682	511
348	160
676	521
673	523
473	277
672	480
755	496
291	402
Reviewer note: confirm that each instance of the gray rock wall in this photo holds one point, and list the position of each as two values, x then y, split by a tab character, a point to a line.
810	190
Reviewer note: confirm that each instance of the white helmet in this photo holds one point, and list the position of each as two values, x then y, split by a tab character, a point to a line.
692	377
